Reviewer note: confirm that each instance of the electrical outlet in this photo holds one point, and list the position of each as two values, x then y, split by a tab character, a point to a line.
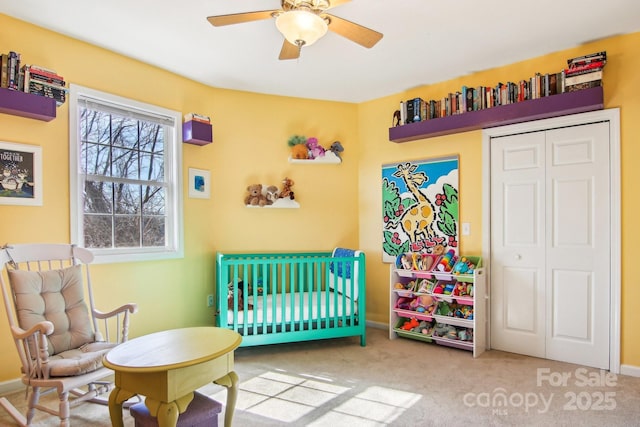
209	300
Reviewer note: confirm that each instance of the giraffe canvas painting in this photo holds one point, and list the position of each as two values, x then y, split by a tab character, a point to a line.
419	206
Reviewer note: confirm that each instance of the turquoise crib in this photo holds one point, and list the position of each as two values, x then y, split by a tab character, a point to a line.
272	298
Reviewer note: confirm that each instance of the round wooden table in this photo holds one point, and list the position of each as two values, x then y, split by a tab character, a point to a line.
168	366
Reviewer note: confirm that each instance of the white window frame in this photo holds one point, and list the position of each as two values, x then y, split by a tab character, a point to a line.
174	245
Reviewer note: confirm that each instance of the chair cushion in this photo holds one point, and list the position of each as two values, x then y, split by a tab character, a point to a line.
79	361
56	296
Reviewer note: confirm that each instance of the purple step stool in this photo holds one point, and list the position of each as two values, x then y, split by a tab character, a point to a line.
201	412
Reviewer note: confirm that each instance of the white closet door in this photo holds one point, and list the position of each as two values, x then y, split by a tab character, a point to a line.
550	244
518	244
578	245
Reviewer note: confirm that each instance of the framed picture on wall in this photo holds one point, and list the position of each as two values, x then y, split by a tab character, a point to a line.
420	207
21	179
199	183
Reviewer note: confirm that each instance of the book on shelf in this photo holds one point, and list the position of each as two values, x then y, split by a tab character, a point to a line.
586	59
43	75
584	85
13	70
409	105
51	91
197	117
587	68
424	110
4	70
31	74
581	78
46	71
413	110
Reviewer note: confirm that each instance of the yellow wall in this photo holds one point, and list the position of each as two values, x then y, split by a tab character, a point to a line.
250	133
250	146
621	80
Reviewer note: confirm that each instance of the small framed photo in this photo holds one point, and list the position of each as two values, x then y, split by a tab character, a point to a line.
199	184
21	179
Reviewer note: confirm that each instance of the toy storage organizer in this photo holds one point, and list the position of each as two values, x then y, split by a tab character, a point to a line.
288	297
438	302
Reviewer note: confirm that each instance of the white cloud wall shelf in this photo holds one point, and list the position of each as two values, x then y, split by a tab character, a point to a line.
329	158
279	204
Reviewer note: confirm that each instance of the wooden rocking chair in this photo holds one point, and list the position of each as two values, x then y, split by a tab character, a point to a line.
60	341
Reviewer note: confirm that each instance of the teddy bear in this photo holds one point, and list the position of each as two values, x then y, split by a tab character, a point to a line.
286	189
255	196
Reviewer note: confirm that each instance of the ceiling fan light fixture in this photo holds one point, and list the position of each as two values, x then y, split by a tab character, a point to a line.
301	27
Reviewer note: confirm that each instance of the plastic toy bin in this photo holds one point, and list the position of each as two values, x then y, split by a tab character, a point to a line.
466	277
406	312
410	334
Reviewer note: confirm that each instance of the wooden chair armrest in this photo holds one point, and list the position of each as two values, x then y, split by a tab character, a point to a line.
44	327
131	308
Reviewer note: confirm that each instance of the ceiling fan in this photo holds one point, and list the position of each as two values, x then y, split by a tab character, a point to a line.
302	23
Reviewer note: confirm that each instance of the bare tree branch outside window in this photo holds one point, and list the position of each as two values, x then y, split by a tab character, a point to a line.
124	198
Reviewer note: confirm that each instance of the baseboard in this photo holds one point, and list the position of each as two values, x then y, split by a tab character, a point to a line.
377	325
633	371
11	386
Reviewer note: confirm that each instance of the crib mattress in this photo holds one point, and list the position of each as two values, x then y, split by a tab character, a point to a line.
298	306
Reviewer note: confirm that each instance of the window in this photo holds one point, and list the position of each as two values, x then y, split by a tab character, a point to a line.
126	176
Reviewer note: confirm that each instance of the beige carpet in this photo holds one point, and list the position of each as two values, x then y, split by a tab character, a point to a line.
406	383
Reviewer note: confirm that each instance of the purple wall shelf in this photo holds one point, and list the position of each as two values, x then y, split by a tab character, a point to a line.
27	105
197	133
535	109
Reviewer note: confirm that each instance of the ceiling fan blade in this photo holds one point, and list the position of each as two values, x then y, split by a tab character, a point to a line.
289	51
356	33
336	3
239	18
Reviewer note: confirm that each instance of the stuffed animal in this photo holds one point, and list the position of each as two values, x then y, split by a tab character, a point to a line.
255	196
286	189
298	144
272	194
410	324
444	330
299	151
423	304
336	148
315	149
231	297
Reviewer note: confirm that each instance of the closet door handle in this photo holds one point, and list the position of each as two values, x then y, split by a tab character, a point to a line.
518	257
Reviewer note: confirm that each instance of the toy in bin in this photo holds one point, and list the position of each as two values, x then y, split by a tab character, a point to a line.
404	303
422	327
463	289
423	304
447	261
446	331
426	262
410	324
403	261
438	288
464	266
463	312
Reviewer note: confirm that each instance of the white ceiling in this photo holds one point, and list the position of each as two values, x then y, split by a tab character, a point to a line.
424	41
